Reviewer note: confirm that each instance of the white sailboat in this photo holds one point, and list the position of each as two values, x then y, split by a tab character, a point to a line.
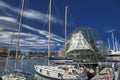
60	72
17	74
114	53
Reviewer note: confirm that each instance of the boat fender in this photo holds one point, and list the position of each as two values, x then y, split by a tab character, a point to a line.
59	75
69	73
107	70
40	70
36	68
47	72
108	77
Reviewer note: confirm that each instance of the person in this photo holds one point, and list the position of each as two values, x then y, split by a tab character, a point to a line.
84	74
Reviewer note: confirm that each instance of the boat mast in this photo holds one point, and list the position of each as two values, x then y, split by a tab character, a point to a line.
109	43
116	44
49	31
65	27
113	41
17	49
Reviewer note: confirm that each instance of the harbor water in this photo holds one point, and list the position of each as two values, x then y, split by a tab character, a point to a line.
25	65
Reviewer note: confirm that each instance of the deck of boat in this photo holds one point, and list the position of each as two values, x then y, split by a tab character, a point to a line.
105	74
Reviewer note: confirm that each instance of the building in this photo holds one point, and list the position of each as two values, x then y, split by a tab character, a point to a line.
13	54
86	43
3	51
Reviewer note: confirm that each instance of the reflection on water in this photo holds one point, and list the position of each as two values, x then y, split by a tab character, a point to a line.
25	65
37	77
2	66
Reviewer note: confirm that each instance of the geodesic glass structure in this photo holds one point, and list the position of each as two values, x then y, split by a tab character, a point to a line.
86	43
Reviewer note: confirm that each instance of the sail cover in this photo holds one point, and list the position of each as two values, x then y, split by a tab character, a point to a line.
78	42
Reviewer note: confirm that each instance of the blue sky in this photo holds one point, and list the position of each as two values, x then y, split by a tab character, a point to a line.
102	15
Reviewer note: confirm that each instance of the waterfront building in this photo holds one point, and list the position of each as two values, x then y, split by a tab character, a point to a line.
87	44
3	51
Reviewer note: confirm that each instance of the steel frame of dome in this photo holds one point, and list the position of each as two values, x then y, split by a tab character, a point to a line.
95	39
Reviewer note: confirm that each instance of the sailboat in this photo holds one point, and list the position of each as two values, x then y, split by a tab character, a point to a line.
114	53
108	72
68	71
62	58
60	72
17	74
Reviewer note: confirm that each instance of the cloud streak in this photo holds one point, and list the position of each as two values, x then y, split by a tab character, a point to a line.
27	39
41	32
31	14
7	19
109	31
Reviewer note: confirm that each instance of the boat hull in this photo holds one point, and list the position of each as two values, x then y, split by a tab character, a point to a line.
13	77
58	75
47	76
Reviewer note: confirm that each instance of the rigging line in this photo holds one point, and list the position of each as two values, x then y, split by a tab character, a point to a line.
43	28
11	41
28	6
44	21
21	13
56	8
60	17
72	21
10	45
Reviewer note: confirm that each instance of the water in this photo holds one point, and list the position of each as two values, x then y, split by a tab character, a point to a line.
25	65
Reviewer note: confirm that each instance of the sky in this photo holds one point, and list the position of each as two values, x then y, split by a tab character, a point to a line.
102	15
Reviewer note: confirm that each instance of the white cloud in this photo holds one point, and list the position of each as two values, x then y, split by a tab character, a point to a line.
8	23
45	33
27	40
31	14
109	31
41	32
29	27
3	4
7	19
52	36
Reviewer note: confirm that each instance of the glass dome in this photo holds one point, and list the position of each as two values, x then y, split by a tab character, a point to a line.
86	43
